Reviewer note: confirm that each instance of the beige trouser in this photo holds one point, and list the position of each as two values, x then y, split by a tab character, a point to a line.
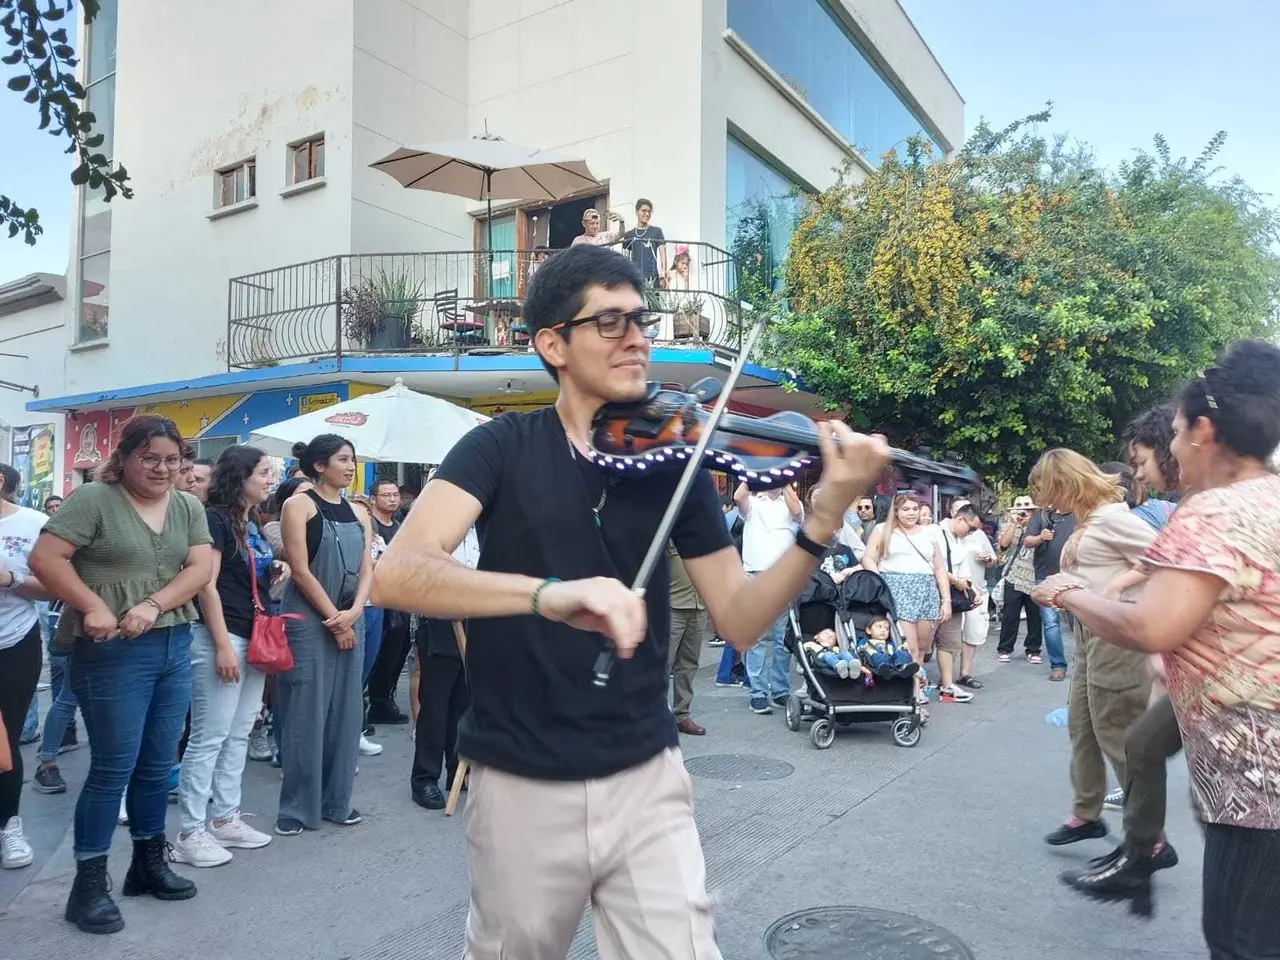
1110	690
540	849
688	631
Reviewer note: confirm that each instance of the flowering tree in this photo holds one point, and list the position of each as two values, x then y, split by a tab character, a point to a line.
1017	296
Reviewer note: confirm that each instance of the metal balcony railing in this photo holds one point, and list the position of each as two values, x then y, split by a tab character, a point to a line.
450	302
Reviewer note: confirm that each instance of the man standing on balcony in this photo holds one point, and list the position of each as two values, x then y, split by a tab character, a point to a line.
579	792
591	229
646	245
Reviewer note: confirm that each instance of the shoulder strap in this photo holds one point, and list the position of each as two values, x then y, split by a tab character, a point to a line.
253	577
919	552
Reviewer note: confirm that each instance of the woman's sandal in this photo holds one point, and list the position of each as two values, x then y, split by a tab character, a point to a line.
970	682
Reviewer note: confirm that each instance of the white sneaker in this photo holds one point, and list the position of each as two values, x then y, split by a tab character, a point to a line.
955	694
236	833
123	819
368	748
14	850
260	747
200	850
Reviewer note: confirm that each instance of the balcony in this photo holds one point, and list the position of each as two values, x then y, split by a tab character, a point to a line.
445	303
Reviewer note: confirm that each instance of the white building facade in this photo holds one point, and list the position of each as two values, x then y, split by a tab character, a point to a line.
250	160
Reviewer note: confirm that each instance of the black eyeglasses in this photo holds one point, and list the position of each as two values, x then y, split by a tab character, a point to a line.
613	324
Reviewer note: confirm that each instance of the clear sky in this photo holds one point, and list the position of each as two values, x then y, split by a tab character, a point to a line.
1118	71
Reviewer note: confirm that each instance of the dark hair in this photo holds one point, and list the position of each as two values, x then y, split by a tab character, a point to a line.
48	500
12	482
134	435
204	462
1154	429
188	451
406	489
235	464
283	492
644	202
1245	391
373	490
968	511
558	289
319	450
1124	474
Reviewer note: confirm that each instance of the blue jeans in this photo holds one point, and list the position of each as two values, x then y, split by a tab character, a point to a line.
134	695
1052	629
776	682
373	617
728	660
31	725
63	711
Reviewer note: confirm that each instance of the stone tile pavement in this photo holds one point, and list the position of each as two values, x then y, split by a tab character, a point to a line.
948	831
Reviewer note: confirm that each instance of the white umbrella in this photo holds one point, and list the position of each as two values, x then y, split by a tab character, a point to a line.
397	425
484	167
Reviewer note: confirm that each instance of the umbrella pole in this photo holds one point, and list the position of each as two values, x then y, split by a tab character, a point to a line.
459	775
488	193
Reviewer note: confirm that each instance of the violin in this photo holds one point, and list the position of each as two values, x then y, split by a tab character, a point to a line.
660	431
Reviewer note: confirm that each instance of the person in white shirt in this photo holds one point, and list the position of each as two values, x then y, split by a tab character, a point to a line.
980	555
770	520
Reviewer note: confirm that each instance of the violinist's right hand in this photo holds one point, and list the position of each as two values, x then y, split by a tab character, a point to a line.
598	605
851	463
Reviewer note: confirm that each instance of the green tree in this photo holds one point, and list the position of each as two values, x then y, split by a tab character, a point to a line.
1018	296
45	76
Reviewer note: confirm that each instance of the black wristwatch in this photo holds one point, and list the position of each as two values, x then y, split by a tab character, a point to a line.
811	546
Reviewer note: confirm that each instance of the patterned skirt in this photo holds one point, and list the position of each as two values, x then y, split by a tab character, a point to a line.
915	595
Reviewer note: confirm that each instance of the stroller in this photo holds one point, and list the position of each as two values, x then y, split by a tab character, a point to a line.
828	700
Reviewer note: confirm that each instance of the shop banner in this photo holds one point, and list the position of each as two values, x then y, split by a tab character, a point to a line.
33	449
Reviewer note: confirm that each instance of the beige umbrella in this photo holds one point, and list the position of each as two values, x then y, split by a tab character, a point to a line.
487	166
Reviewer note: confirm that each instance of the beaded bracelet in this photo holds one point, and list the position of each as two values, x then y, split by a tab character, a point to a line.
153	602
1055	600
537	592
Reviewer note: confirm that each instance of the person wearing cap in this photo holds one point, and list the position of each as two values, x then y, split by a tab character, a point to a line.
591	229
1018	579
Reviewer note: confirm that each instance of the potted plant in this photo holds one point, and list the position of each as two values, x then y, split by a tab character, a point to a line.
378	314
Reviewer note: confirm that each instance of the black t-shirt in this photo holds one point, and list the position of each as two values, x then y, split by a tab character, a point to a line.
534	709
233	585
643	248
340	512
1048	556
386	531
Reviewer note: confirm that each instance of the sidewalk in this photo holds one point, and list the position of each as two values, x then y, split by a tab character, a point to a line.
948	831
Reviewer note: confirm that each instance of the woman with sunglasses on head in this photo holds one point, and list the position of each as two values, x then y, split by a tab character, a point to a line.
1211	606
127	556
320	711
226	692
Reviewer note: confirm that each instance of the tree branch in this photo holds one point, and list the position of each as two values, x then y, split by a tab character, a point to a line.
47	79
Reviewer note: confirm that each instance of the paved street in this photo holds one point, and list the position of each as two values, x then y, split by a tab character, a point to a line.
948	831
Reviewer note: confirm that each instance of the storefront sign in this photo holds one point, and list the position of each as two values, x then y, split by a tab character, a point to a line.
33	459
316	401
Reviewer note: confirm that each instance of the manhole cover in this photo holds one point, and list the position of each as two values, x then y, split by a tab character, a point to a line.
839	933
734	766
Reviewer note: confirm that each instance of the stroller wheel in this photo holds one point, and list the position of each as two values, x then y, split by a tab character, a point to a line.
906	732
822	733
794	709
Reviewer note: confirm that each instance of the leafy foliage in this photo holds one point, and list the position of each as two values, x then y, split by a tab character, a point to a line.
46	78
1017	296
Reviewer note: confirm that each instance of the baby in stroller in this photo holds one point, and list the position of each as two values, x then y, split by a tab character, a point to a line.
824	649
881	656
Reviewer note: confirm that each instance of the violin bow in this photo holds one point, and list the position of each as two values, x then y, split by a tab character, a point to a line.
604	663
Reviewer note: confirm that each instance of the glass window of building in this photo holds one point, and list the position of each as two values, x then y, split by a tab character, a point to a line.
95	213
806	43
762	207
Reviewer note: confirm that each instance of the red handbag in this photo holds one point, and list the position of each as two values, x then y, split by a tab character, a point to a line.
268	646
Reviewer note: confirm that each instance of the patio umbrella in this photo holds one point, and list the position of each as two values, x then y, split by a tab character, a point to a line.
397	425
484	167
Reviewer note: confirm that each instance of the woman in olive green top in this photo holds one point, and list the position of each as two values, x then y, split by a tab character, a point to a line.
127	556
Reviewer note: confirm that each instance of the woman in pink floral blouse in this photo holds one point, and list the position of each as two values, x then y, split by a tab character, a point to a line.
1212	608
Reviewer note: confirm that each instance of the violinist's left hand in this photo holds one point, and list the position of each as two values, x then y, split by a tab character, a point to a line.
851	462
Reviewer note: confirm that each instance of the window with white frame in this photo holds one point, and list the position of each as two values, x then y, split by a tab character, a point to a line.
306	160
238	183
99	78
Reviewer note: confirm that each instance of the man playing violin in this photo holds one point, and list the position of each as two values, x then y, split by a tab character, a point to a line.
577	791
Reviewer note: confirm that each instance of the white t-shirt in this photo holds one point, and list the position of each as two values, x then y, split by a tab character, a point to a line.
977	544
468	551
912	553
767	532
18	533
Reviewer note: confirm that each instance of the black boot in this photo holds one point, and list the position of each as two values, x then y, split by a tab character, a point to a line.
1121	875
90	906
150	873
